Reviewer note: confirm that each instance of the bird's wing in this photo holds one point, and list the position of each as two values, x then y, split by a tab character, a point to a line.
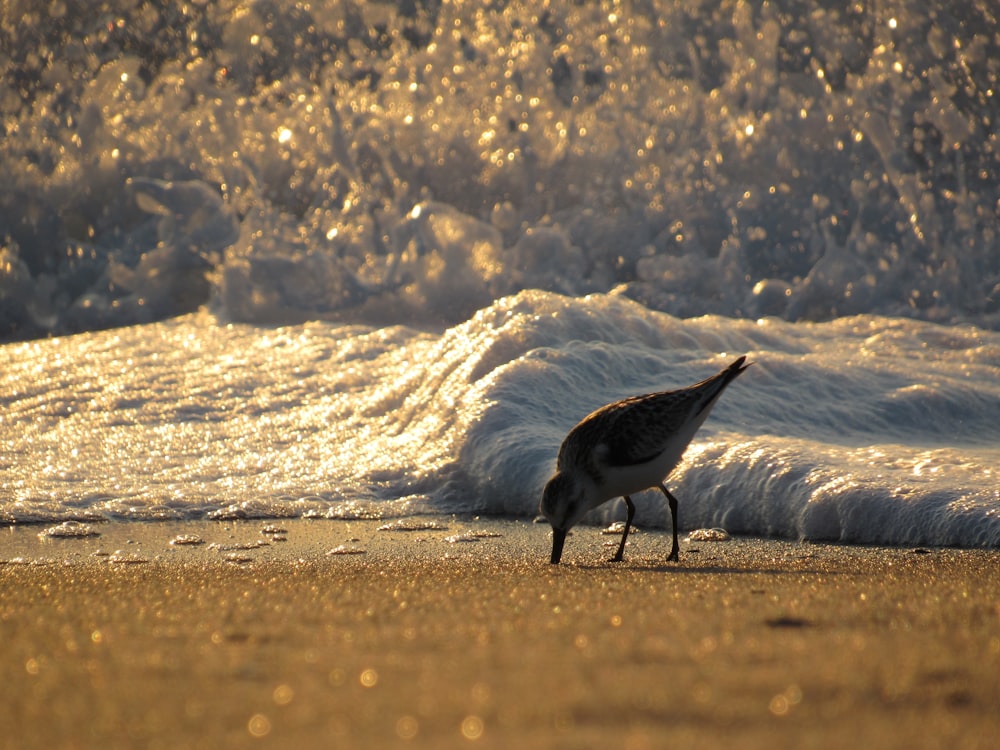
627	432
640	428
636	430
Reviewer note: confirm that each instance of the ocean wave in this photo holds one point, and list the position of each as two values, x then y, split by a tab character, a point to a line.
853	430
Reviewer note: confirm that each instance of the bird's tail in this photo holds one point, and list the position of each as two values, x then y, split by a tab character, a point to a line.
713	387
736	368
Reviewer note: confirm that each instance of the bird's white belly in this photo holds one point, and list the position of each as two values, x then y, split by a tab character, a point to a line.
627	480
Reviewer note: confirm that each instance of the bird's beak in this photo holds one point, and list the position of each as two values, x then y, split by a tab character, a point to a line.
558	539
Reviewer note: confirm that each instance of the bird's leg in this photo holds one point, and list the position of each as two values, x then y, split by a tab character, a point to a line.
675	547
628	525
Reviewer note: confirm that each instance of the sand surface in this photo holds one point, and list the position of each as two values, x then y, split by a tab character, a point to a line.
464	636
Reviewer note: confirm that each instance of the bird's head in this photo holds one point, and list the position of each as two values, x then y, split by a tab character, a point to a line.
564	503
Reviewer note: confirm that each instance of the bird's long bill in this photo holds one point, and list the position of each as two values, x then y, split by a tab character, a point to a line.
558	540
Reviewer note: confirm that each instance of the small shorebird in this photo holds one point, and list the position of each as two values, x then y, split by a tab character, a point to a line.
626	447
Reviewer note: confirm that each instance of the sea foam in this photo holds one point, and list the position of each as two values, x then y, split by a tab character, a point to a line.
854	430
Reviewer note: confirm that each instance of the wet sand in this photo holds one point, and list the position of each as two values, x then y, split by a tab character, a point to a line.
250	638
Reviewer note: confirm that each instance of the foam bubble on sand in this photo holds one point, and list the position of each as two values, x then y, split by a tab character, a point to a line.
461	538
618	527
345	550
122	557
69	530
187	540
238	546
709	535
405	524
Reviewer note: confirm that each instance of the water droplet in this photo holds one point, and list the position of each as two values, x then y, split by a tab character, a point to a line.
407	727
259	725
283	695
472	727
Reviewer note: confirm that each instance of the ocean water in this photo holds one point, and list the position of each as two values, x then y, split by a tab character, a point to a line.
346	259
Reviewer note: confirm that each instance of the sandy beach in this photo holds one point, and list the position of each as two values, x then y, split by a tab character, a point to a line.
459	634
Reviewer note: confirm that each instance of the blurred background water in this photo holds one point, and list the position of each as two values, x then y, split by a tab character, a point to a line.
389	162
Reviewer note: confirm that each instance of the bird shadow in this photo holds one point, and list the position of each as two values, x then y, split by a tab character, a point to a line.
681	569
717	569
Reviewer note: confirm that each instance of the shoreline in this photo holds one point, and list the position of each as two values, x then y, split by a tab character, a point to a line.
464	635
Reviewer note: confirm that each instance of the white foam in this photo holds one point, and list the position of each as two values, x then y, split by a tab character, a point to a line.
69	530
864	429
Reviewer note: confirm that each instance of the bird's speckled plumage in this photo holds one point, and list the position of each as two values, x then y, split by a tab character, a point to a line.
636	429
625	447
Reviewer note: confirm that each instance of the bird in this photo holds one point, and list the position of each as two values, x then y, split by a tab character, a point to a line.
625	447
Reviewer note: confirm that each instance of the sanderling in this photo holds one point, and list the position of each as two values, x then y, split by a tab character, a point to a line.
626	447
